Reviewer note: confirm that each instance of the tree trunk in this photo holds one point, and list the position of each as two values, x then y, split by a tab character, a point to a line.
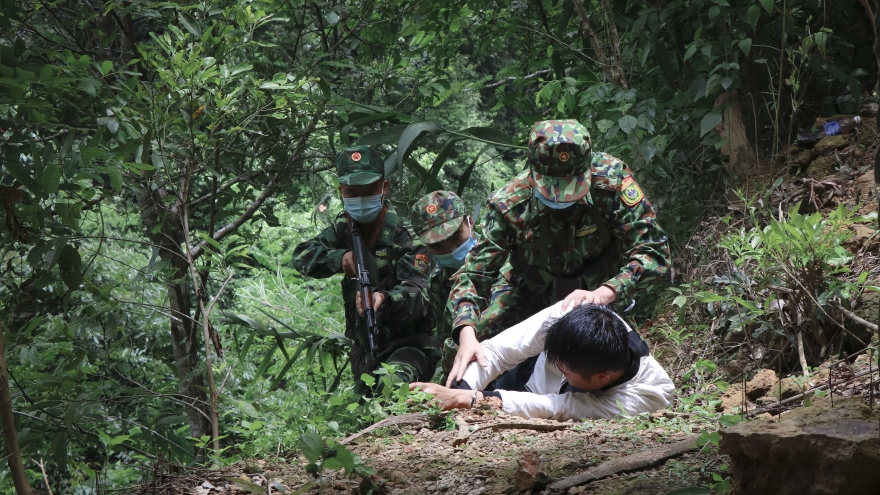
614	73
164	230
10	437
877	55
732	129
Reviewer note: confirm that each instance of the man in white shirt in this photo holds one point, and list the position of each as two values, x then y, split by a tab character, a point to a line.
580	363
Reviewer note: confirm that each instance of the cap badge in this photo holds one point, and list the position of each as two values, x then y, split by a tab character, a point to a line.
563	157
356	156
431	209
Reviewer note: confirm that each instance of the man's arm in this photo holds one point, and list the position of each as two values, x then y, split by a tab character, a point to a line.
511	347
408	300
649	391
321	256
472	283
642	241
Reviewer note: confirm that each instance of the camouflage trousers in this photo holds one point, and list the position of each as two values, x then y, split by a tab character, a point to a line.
414	357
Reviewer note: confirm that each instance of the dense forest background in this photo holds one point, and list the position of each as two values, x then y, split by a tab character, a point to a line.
161	159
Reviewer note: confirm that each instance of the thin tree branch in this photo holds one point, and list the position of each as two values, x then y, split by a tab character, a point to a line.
226	185
267	191
10	437
591	37
856	318
513	78
868	11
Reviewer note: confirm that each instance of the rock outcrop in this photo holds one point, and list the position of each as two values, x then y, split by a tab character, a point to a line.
810	451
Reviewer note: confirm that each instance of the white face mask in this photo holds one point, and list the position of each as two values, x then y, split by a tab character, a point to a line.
456	258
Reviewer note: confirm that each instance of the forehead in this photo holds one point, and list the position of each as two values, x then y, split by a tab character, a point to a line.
362	188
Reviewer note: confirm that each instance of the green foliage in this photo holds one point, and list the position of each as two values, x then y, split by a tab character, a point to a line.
161	159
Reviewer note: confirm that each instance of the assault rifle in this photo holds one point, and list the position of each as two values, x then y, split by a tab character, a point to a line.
365	287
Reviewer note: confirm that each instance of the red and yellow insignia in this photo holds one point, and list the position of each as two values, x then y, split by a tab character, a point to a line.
630	192
431	209
356	156
422	263
563	157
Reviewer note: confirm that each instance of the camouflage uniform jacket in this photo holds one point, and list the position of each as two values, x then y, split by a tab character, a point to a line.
579	245
439	286
401	263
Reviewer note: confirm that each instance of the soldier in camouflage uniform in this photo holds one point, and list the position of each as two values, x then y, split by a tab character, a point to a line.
398	268
577	228
442	223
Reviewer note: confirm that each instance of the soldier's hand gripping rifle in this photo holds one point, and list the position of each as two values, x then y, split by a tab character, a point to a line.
364	287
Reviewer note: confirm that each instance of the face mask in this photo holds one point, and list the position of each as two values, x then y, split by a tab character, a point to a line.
456	258
364	209
553	204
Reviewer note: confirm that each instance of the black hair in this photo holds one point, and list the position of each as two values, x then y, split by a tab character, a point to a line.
589	339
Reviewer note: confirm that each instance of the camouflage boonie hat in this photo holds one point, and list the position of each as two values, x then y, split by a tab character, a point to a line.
560	158
359	166
437	216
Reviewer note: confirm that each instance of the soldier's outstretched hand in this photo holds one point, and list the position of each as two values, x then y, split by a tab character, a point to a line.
469	349
378	299
603	295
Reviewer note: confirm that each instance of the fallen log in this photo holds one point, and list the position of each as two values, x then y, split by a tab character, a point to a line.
628	463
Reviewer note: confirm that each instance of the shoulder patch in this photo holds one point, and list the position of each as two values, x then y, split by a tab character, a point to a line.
422	263
630	192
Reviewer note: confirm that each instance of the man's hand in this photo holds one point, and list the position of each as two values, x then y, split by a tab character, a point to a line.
604	295
447	398
378	299
469	349
348	265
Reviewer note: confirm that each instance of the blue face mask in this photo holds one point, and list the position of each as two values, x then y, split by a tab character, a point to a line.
364	209
553	204
456	258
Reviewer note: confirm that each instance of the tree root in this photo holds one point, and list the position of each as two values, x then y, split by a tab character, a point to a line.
627	463
404	419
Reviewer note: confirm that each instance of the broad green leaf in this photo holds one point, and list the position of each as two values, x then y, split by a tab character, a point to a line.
754	13
627	123
70	266
439	160
106	67
489	135
466	176
50	178
410	138
188	24
709	122
707	296
768	5
115	177
746	46
312	446
375	117
384	135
